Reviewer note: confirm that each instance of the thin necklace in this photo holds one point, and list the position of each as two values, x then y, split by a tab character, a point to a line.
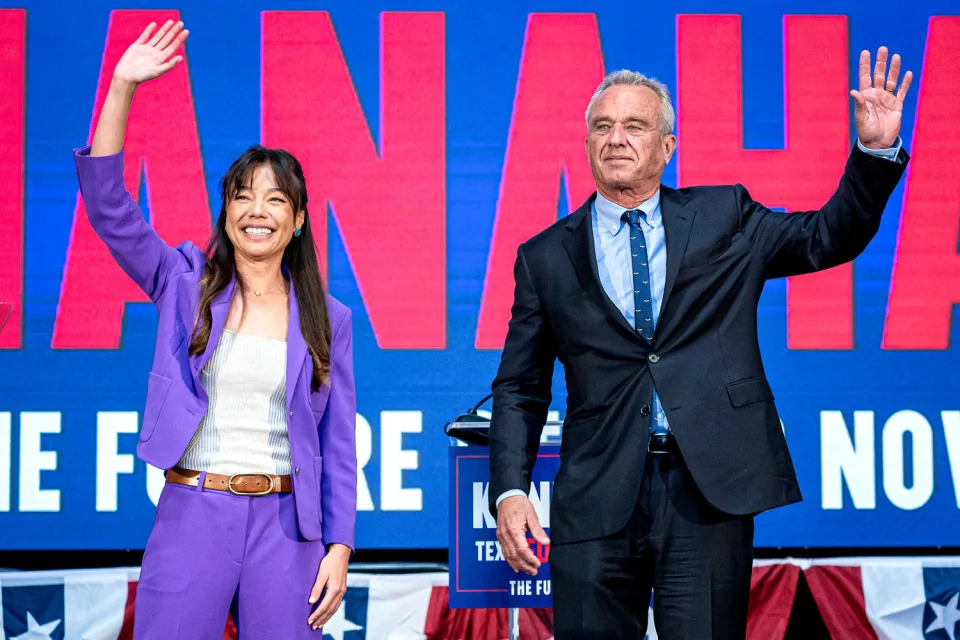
260	293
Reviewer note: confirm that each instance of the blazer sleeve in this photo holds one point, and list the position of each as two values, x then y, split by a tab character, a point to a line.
338	443
806	241
521	389
118	220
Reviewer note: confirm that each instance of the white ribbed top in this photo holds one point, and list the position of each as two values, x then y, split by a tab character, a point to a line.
245	427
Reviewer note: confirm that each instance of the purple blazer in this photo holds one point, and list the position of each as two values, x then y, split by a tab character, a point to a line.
321	425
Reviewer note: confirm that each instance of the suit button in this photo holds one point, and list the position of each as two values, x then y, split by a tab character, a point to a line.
653	358
297	471
291	414
644	410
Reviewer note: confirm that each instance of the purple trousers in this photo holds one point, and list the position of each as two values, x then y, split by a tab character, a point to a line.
211	549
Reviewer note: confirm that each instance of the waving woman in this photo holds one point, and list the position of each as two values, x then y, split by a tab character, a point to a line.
250	402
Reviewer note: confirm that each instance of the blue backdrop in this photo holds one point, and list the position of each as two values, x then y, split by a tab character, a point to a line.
866	426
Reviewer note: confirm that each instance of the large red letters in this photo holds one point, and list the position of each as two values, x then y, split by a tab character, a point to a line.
800	177
561	68
387	192
12	30
389	203
161	141
926	273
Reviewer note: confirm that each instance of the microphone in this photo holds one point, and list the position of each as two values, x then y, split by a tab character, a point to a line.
477	433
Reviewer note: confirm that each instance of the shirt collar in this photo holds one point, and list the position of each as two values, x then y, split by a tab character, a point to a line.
609	213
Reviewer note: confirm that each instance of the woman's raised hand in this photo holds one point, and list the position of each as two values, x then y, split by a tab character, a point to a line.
149	57
146	59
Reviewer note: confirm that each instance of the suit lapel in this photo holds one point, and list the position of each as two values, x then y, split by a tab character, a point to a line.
579	247
296	345
219	307
677	222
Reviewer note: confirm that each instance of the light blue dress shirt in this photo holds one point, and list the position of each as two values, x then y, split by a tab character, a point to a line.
611	240
614	265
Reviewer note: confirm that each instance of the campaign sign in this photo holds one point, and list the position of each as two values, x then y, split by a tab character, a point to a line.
479	574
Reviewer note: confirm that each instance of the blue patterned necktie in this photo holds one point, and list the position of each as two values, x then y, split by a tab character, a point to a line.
643	308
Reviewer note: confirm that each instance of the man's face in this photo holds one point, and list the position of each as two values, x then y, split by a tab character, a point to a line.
624	143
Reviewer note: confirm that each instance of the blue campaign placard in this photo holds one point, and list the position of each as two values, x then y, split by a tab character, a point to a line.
479	575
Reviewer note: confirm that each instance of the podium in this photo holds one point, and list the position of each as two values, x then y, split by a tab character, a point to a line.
480	577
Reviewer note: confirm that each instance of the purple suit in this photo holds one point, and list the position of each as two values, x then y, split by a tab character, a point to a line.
321	425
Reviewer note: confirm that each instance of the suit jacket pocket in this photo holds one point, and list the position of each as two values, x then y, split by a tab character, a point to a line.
157	388
749	391
578	432
705	258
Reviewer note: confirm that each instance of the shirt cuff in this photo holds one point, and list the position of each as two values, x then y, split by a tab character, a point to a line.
887	154
509	494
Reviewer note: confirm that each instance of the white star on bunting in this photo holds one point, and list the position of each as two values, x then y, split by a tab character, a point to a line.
37	631
338	624
947	616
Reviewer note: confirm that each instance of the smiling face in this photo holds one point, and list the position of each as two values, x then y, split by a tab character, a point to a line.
260	218
624	145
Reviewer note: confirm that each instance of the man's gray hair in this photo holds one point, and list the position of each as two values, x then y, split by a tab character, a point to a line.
635	79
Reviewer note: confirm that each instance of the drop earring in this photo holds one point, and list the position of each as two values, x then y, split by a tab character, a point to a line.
296	233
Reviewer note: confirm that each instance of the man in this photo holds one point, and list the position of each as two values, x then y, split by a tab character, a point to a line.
648	296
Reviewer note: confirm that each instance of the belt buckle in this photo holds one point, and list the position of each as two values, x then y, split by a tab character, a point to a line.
250	493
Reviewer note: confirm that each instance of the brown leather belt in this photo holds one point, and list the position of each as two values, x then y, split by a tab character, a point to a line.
241	484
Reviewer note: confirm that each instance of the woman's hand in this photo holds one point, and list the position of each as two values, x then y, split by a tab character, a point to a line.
147	58
332	577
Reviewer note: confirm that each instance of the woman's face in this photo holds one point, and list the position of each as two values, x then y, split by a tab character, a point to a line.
260	217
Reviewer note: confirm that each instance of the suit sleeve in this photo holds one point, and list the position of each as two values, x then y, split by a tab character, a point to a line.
118	220
521	389
338	443
806	241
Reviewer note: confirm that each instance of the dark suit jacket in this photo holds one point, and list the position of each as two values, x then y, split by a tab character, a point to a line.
704	358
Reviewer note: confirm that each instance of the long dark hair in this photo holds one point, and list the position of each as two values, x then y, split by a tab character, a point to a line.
300	258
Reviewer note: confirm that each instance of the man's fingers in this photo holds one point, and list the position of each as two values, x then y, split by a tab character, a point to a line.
524	559
894	75
857	97
513	545
864	70
533	522
905	86
507	549
516	515
538	533
880	68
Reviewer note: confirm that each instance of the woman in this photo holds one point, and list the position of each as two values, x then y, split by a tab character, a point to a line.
250	403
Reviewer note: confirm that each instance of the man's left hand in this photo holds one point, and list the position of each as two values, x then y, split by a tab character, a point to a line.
879	102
